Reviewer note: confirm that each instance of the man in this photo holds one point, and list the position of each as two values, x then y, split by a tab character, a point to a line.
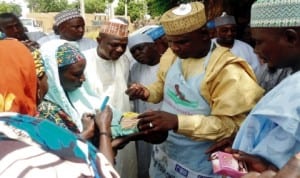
144	51
11	25
107	68
107	73
225	36
271	130
206	93
268	77
158	36
70	26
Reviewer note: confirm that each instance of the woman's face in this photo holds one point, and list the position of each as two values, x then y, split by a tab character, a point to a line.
42	87
72	76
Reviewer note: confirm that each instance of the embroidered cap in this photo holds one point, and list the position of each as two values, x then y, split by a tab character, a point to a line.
224	19
115	27
184	18
156	32
275	13
138	39
68	54
66	15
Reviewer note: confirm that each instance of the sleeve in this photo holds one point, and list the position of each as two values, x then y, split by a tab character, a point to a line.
233	94
156	89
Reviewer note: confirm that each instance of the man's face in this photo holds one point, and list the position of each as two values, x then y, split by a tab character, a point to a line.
194	44
111	47
272	47
226	34
72	30
13	28
145	53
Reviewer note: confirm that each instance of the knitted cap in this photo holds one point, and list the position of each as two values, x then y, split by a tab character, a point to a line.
224	19
275	13
115	27
66	15
155	32
138	39
184	18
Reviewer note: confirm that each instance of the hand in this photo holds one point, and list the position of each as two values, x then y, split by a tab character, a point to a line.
157	121
291	170
121	142
137	91
220	145
88	124
103	120
254	163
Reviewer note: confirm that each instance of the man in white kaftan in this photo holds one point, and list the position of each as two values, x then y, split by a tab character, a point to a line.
107	73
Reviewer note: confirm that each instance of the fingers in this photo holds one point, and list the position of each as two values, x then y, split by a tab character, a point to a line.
252	175
266	174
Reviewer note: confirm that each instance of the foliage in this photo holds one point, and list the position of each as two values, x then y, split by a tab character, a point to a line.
135	9
47	5
158	7
10	7
94	6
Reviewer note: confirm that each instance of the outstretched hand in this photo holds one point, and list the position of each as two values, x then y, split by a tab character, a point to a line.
137	91
291	170
254	163
157	121
220	145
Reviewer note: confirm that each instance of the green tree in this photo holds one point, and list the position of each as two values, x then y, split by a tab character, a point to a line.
47	5
94	6
10	7
135	10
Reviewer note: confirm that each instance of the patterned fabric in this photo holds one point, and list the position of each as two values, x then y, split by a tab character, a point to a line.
224	19
275	13
39	63
54	139
115	27
68	54
54	113
66	15
183	19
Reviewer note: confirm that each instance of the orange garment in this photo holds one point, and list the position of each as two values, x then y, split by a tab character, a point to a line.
18	81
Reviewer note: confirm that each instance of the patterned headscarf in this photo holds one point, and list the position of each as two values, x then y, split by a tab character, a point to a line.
39	63
68	54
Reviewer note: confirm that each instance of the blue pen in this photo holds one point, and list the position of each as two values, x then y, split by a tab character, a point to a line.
104	103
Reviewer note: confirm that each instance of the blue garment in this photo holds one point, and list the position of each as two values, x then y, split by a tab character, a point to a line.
180	156
54	139
272	129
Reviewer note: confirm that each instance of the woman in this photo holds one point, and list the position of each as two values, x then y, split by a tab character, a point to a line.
34	148
65	65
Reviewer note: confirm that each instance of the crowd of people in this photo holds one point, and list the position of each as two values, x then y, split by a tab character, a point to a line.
153	103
